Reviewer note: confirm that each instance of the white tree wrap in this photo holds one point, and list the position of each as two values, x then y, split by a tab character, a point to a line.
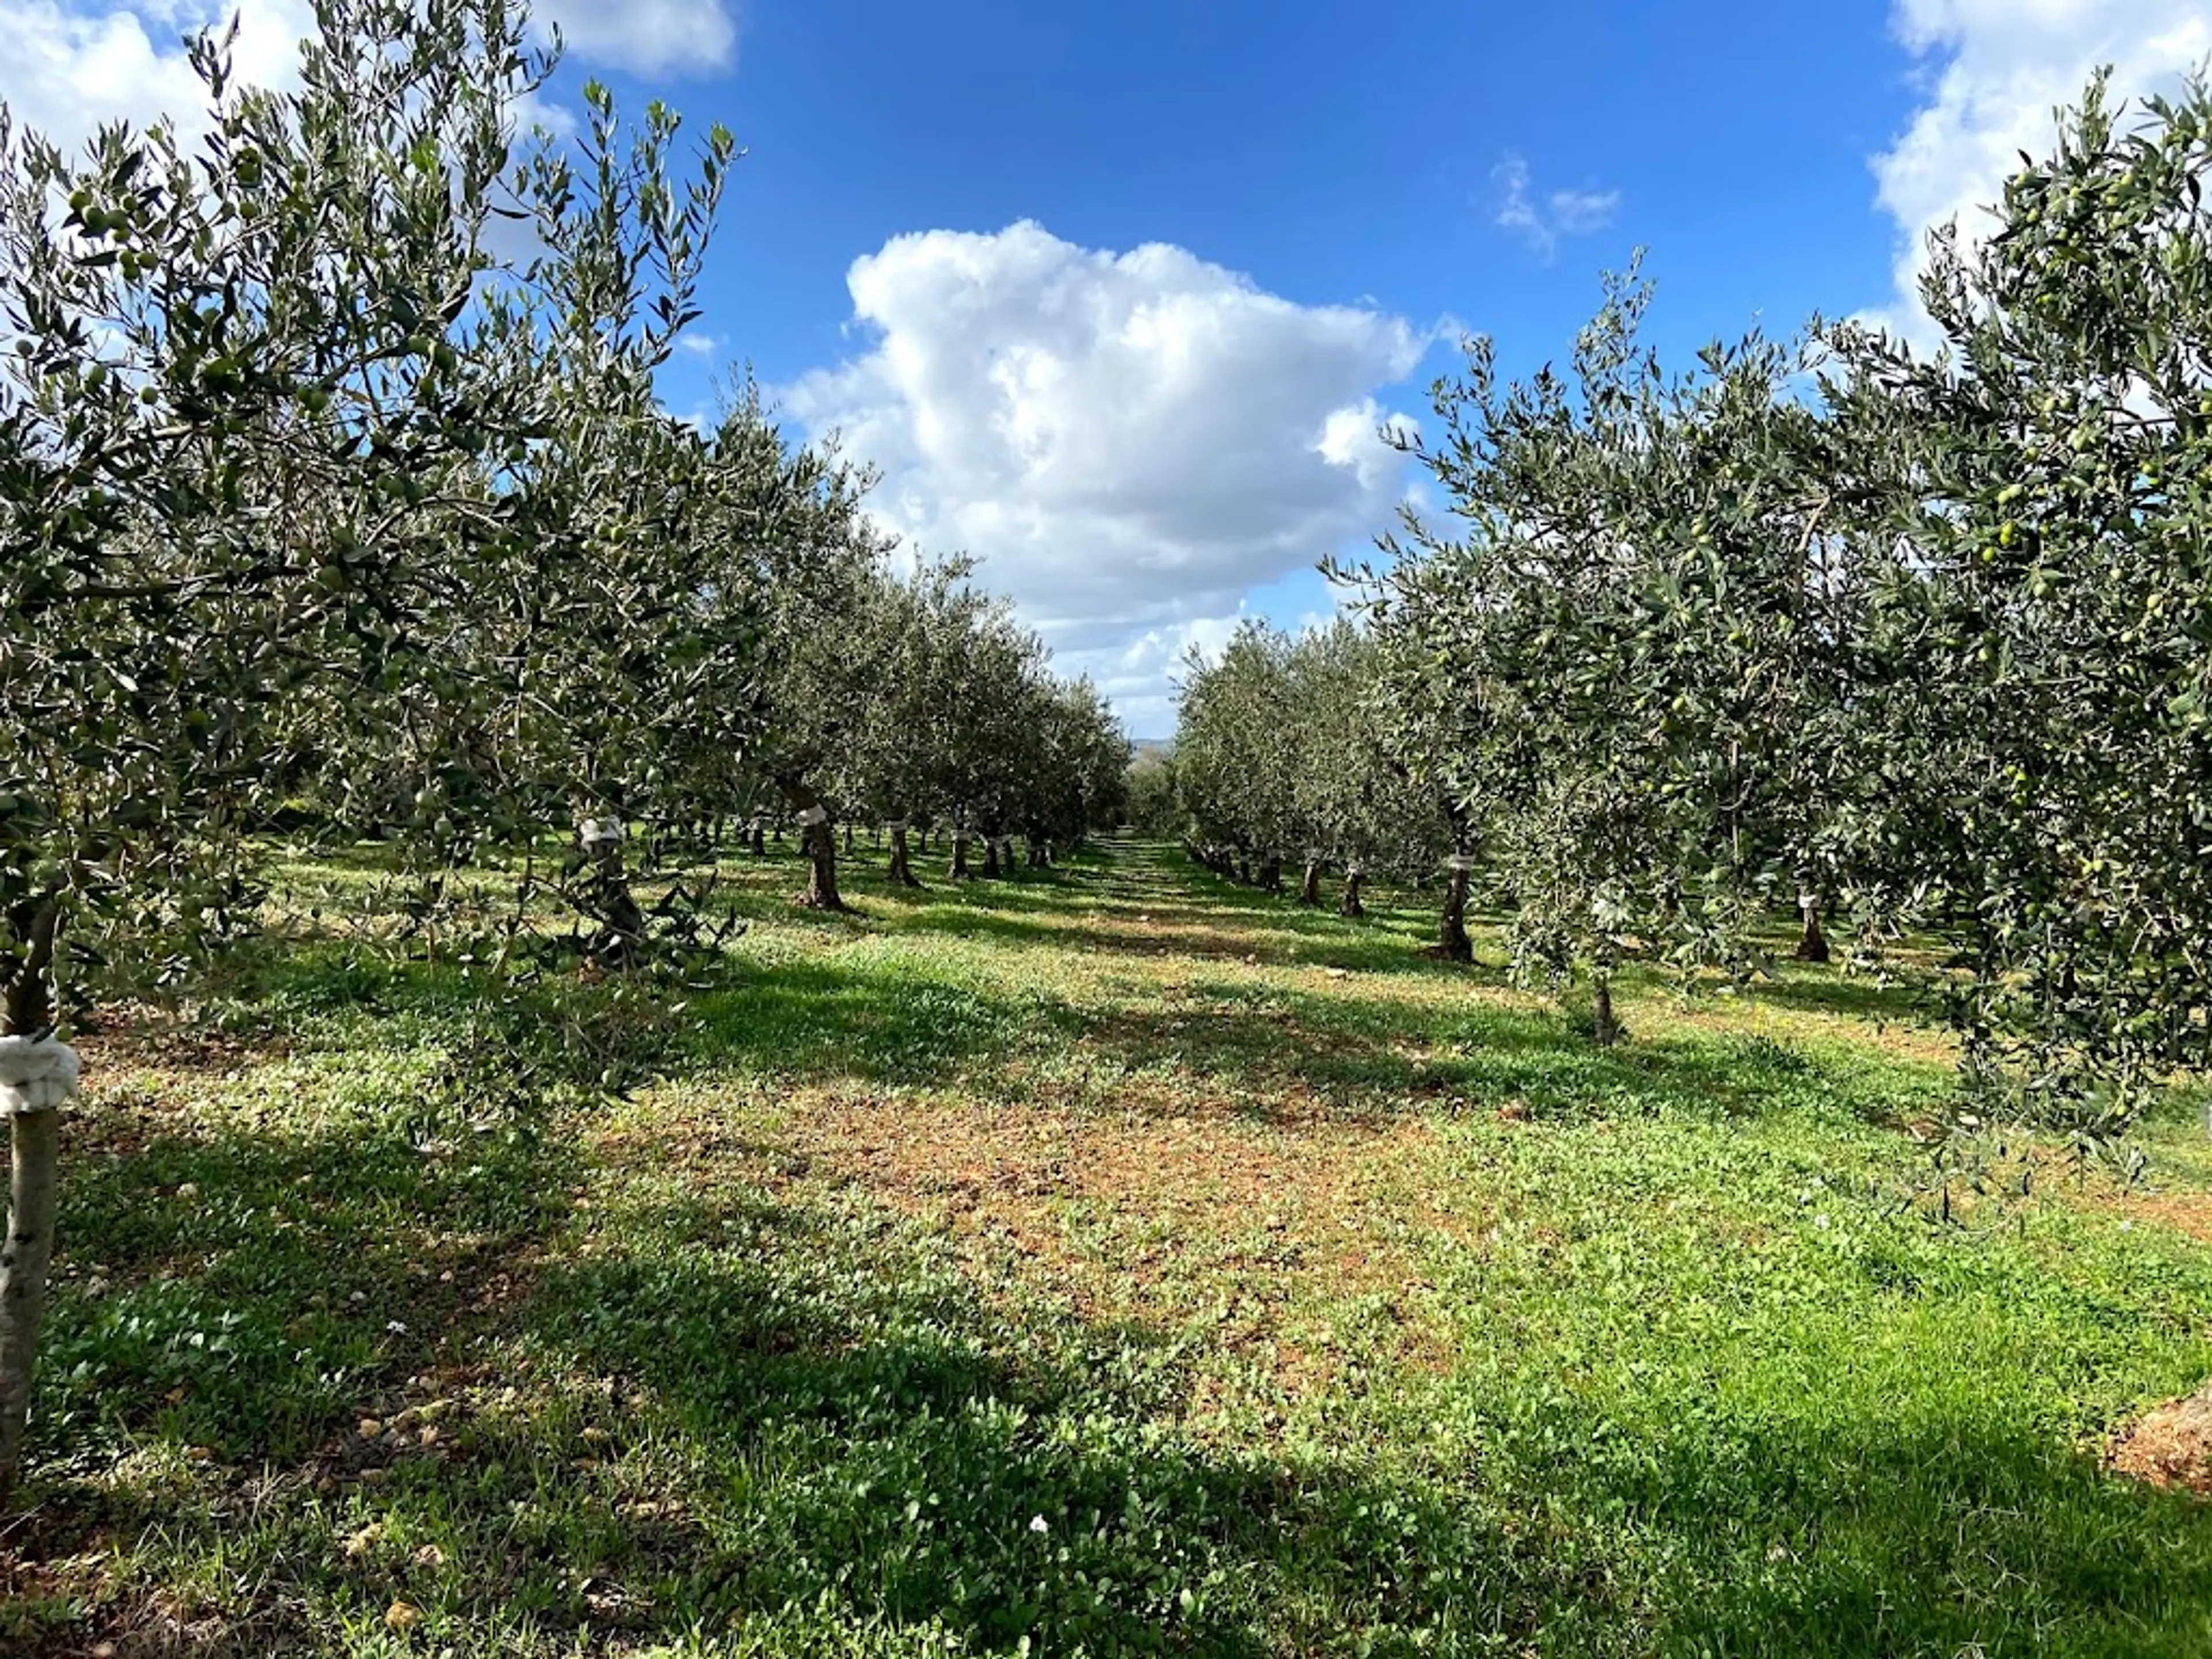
1459	861
812	815
900	824
36	1074
599	832
1355	869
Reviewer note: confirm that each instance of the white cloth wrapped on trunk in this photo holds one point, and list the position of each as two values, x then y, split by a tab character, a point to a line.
36	1074
812	815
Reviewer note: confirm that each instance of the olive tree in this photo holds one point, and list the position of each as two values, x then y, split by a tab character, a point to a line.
1364	796
1235	760
1631	622
268	395
2043	614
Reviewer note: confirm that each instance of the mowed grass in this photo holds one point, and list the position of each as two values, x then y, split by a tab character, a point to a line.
1099	1261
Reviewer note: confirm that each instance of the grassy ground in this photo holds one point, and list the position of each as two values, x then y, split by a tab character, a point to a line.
1109	1260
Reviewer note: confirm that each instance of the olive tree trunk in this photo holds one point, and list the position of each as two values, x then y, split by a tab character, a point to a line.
33	1184
1270	875
1452	943
901	867
1354	879
990	856
817	840
1812	943
619	943
1309	888
1607	1027
959	871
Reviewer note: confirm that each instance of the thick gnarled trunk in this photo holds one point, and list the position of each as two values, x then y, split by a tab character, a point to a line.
1355	879
1453	944
1270	875
817	840
1811	942
1309	888
901	867
959	870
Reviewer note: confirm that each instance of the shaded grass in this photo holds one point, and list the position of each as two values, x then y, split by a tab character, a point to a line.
1104	1259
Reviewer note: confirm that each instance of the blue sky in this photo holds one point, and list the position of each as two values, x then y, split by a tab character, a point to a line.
1116	296
1329	151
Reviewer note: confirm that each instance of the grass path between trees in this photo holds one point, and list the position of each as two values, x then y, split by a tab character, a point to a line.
1100	1260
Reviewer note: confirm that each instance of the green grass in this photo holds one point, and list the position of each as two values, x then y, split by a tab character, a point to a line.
1103	1261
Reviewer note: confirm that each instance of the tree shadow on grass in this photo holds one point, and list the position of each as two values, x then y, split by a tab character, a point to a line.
1173	927
864	1429
816	1020
1784	1530
240	1298
1372	1052
799	1420
812	1017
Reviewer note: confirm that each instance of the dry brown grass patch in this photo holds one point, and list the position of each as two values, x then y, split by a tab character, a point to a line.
1137	1216
2170	1446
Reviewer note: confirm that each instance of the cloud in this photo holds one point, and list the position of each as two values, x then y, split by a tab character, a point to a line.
648	37
703	345
1541	221
1126	442
69	67
68	72
1140	675
1994	72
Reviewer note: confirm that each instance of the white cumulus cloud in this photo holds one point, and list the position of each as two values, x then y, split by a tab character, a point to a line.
1996	70
71	68
650	37
1125	442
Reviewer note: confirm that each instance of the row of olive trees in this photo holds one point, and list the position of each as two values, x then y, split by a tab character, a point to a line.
332	471
912	701
1286	753
1921	641
1904	643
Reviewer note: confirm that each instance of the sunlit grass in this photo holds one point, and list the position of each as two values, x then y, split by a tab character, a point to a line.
1111	1259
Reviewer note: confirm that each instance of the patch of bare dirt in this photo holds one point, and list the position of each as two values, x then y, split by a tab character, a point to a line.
144	1039
2170	1446
1128	1215
2186	1212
